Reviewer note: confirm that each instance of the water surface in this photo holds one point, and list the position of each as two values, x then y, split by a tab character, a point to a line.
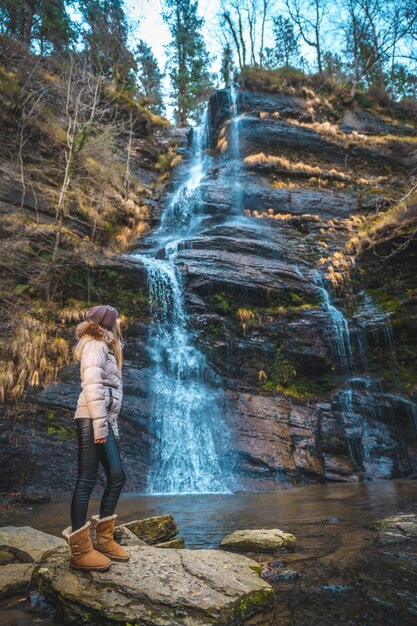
343	575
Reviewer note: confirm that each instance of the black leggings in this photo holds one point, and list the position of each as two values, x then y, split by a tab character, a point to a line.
90	454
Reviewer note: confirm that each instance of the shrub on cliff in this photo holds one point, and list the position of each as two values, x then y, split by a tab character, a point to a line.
74	150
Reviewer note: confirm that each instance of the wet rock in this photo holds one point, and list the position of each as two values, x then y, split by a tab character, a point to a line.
274	575
265	540
27	543
299	202
178	542
336	588
153	529
367	124
329	520
276	439
249	277
11	554
281	138
126	537
35	498
340	469
399	528
276	564
303	144
14	578
282	103
160	587
178	136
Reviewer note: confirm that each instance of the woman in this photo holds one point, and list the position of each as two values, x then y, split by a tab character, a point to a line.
99	350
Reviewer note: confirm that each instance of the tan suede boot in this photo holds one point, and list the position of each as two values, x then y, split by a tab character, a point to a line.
83	555
104	542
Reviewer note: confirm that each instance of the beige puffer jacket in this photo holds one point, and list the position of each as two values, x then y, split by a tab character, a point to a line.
101	380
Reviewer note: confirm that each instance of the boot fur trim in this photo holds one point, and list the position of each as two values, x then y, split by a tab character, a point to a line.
68	532
98	519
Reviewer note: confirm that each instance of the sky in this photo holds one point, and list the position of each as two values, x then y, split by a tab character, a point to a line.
147	23
147	15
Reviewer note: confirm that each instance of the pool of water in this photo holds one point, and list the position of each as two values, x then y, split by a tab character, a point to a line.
342	575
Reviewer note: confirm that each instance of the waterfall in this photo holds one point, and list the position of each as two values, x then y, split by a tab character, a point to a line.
382	327
359	413
339	324
234	149
184	408
187	201
234	143
190	451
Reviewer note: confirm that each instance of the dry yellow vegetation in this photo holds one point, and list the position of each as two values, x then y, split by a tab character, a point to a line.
298	167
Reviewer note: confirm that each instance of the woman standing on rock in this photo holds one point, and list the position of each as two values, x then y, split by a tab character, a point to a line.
99	350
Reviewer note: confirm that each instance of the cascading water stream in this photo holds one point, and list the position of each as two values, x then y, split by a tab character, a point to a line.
184	406
191	439
340	326
358	399
187	202
234	150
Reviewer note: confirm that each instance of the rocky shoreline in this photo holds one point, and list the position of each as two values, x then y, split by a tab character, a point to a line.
161	584
248	580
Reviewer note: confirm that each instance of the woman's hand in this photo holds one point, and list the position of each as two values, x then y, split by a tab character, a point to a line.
102	440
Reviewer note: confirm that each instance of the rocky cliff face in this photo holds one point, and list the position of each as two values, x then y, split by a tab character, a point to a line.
317	378
297	356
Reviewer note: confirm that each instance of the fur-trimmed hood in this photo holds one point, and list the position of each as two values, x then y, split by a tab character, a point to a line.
91	330
101	380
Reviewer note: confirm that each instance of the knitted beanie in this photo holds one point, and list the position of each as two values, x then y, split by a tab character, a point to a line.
104	315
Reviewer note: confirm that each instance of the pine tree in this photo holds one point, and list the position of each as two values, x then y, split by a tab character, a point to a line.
189	59
227	67
106	40
44	25
56	32
286	50
149	78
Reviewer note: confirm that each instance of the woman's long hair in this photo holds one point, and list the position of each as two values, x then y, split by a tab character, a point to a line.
118	344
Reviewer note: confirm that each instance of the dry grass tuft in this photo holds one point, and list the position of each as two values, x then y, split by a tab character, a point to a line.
303	169
245	316
222	142
35	356
338	268
400	220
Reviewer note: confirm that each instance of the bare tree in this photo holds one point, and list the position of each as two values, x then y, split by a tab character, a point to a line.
266	7
373	31
308	16
232	20
354	30
245	21
80	110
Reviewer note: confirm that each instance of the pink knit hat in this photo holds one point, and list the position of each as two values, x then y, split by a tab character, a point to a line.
104	315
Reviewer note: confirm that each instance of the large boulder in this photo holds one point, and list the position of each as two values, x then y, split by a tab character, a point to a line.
161	587
153	529
259	540
26	544
20	548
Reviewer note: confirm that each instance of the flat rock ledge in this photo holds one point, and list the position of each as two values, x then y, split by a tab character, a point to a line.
263	540
159	587
25	544
399	528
